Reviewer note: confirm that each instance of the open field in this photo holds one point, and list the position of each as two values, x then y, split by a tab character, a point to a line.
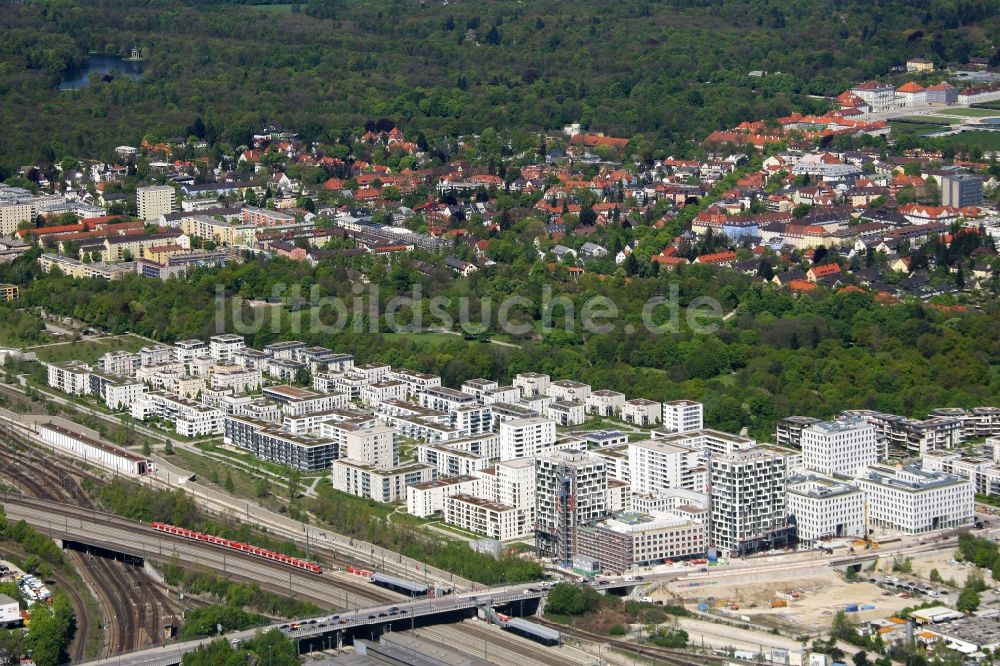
970	113
88	351
282	8
984	140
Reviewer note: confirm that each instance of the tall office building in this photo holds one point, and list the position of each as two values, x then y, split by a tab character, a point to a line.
842	447
962	189
570	491
748	502
154	201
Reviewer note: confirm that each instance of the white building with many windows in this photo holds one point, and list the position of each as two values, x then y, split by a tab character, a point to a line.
520	438
71	377
913	500
825	508
641	412
843	446
605	403
381	485
655	465
683	416
749	501
426	499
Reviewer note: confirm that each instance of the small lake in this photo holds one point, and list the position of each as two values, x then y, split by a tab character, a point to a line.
101	64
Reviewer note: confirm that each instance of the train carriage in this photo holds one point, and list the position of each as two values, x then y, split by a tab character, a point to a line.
281	558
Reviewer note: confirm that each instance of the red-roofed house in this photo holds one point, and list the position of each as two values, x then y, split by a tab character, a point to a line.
717	259
817	273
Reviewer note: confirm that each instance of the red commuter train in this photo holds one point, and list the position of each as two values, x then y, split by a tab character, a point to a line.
304	565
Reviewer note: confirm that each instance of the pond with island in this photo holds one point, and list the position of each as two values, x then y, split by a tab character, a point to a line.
104	66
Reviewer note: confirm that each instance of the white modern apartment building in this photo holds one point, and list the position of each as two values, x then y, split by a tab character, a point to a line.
234	378
913	500
73	377
490	519
616	460
569	390
748	501
708	441
375	445
268	441
532	383
683	416
526	437
121	363
222	347
566	413
372	394
843	446
415	381
570	491
655	466
381	485
428	498
605	403
825	508
191	419
983	472
641	412
188	350
451	462
116	392
154	201
479	387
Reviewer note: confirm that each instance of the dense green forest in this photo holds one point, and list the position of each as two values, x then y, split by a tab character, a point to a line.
662	73
776	355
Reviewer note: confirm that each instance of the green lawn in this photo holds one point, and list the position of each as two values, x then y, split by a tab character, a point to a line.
433	338
924	120
985	140
914	129
970	113
88	351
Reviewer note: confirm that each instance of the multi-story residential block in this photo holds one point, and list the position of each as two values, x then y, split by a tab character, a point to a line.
121	363
71	377
532	383
451	462
116	392
490	519
375	483
983	472
479	387
879	96
616	460
372	444
190	418
570	491
655	466
509	394
222	347
825	508
155	355
373	394
602	438
626	540
569	390
472	420
706	440
789	430
683	416
912	500
566	413
749	502
285	349
253	358
268	441
641	412
234	378
445	399
295	401
605	403
261	217
843	446
520	438
426	499
154	201
186	351
976	422
13	214
913	435
415	381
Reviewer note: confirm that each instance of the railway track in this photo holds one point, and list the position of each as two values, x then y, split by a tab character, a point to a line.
483	642
660	655
132	611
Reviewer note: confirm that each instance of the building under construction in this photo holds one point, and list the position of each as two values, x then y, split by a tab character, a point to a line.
570	490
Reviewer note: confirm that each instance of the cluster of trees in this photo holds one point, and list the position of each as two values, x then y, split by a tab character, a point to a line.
236	595
660	73
206	620
42	553
568	599
268	649
983	553
777	355
355	517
